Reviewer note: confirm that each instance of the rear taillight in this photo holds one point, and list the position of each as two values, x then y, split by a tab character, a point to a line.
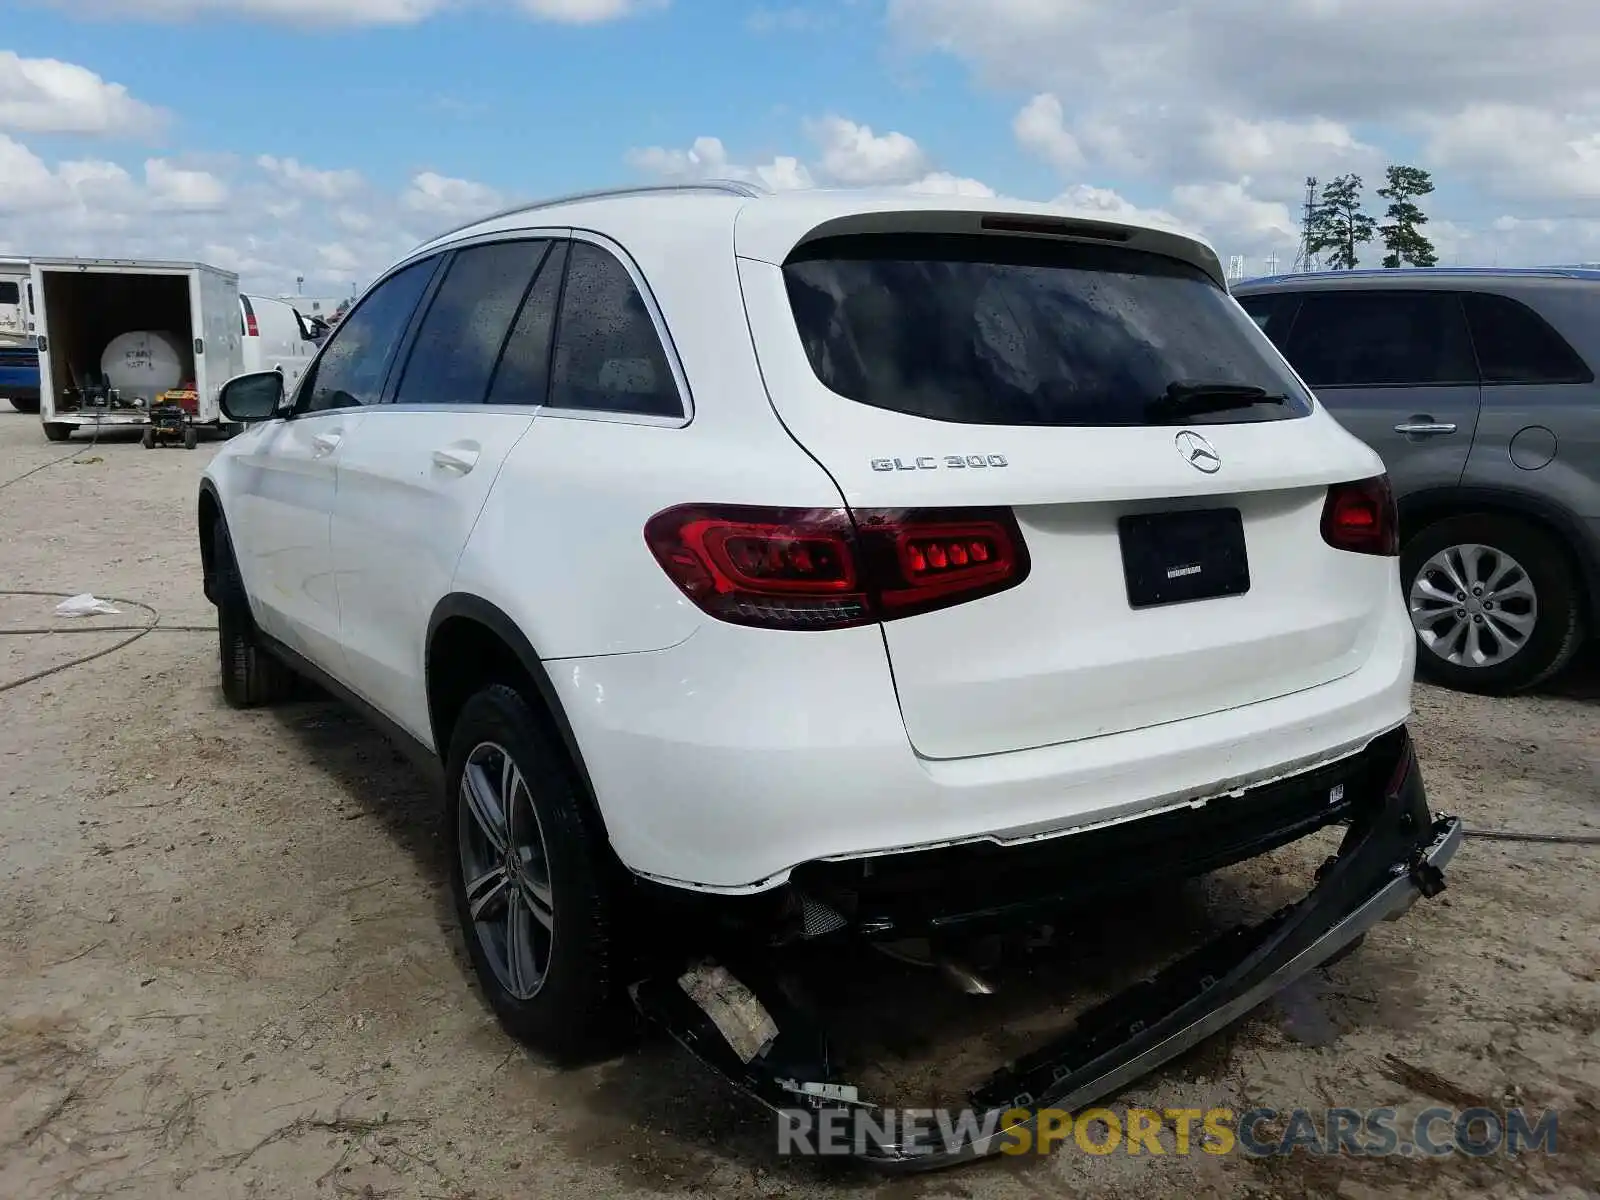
251	329
1361	517
831	569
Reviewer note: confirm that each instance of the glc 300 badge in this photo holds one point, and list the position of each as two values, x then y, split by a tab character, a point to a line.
928	462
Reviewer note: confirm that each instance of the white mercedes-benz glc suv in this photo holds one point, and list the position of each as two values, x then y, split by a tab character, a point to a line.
828	564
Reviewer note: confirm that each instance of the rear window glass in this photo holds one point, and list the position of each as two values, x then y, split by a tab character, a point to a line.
1515	345
1016	331
10	293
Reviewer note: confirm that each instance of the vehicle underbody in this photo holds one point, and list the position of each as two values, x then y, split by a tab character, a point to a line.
732	997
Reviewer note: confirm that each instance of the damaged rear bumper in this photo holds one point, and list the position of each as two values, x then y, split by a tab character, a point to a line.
1392	854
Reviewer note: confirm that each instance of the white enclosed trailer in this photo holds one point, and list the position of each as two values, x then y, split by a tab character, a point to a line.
85	306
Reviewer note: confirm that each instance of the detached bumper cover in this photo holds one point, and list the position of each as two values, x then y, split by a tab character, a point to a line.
1392	854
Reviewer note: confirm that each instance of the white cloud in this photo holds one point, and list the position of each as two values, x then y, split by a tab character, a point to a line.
1500	101
708	158
1522	152
260	217
46	95
171	187
355	12
587	12
297	12
1041	129
326	185
854	156
441	196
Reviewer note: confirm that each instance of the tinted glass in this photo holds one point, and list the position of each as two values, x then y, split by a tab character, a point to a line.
608	357
1515	345
351	369
454	352
1381	339
523	376
1272	312
10	293
1023	332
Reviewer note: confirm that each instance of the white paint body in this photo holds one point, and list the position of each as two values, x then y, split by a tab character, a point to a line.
724	756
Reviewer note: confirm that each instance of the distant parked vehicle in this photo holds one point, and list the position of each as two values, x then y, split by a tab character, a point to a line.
277	337
115	335
19	356
1477	388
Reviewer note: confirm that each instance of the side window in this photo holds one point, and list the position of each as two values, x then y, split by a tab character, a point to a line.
10	293
523	376
351	369
1272	312
454	352
1381	339
1515	345
608	357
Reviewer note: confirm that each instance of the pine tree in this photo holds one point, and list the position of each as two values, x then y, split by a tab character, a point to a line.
1338	224
1402	235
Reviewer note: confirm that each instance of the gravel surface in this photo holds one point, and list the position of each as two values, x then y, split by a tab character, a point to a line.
228	964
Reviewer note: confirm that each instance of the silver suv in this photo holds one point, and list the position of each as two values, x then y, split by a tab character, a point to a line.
1477	388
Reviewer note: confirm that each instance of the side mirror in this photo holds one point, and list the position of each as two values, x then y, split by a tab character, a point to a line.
253	397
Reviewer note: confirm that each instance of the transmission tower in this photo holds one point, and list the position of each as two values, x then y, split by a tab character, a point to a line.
1306	259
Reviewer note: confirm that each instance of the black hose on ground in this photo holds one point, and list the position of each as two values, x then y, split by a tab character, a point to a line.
135	632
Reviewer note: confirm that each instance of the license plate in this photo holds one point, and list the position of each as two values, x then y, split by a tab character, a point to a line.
1174	557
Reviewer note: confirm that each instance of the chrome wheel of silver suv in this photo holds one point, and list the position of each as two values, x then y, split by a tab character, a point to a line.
1473	605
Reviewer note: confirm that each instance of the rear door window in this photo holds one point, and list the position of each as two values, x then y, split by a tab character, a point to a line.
1381	338
608	356
523	376
1013	331
453	355
1516	345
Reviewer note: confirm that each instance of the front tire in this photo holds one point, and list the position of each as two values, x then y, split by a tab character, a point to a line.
530	879
1495	603
251	676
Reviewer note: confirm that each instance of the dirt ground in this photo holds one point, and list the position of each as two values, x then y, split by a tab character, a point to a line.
228	965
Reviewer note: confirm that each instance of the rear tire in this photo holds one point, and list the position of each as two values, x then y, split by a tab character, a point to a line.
251	676
24	405
191	438
1531	623
550	976
148	441
54	431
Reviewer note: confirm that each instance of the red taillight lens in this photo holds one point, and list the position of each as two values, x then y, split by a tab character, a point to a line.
251	329
831	569
1361	517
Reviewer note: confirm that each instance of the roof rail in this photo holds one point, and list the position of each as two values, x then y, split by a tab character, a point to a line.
727	187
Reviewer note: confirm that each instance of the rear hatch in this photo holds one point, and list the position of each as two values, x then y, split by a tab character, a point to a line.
1171	515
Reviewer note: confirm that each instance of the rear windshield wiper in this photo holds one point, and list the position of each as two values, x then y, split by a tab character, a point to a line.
1185	398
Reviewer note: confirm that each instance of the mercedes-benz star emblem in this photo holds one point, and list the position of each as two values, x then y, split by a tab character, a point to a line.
1197	452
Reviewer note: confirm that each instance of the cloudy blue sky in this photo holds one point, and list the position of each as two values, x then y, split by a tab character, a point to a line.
325	137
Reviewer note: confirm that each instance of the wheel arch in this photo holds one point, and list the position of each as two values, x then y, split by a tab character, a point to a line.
466	644
1421	509
208	513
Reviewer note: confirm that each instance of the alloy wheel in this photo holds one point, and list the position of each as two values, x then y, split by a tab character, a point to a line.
506	870
1473	605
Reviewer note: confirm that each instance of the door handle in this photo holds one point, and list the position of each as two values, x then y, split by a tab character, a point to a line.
452	458
1424	428
326	443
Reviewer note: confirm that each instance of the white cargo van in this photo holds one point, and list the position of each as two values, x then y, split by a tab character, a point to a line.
115	333
277	337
